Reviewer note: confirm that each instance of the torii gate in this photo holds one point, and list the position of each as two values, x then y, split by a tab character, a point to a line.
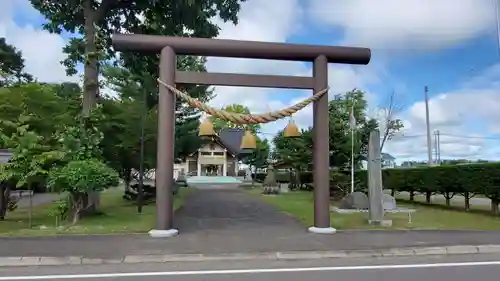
170	47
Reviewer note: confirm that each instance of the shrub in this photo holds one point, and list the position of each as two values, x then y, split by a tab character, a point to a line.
466	180
149	191
79	178
447	180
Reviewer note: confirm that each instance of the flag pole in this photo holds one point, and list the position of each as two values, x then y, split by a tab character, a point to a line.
352	124
352	160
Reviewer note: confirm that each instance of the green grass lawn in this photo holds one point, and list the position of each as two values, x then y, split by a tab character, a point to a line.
118	216
300	204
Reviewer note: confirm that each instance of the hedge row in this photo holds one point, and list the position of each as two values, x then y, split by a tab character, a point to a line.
283	177
466	180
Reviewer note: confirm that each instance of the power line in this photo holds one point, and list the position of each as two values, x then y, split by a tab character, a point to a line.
423	135
407	136
471	137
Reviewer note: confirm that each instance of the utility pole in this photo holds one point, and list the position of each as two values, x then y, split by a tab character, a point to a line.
140	191
497	25
434	133
438	147
429	142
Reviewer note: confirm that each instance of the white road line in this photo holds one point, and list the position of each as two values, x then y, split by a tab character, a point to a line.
244	271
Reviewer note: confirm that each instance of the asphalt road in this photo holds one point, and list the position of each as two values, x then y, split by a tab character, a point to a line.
442	268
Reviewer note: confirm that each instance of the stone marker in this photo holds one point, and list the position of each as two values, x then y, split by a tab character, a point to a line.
376	209
388	202
284	187
356	200
248	176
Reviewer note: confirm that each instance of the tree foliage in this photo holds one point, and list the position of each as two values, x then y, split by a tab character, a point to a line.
122	131
293	152
11	65
79	178
234	108
82	139
341	135
94	21
46	109
30	157
138	98
30	114
297	152
30	162
259	156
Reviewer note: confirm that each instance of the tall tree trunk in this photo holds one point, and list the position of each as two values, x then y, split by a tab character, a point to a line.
467	201
90	77
447	201
428	196
77	206
4	200
91	67
494	206
297	178
127	178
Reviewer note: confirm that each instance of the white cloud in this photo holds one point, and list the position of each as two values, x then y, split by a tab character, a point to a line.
410	24
42	51
422	23
258	21
466	118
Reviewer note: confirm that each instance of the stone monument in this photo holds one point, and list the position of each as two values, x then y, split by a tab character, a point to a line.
356	200
376	209
248	175
284	188
388	202
270	184
181	178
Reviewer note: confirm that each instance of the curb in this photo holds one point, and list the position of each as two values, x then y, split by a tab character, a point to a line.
276	256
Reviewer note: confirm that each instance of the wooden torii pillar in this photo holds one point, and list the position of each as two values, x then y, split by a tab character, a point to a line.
170	47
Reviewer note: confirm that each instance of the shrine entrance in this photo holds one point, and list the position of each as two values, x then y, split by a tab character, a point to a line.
170	47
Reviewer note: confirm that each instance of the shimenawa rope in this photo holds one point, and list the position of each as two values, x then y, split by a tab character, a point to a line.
239	118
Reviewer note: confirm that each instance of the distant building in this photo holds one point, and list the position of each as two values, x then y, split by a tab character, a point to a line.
5	155
388	161
217	156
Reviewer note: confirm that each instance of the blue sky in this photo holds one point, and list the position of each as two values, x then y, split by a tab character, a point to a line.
450	46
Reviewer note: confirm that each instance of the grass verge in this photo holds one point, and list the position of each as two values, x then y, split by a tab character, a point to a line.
477	203
300	204
118	216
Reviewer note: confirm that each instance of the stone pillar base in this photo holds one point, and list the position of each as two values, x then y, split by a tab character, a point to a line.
322	230
163	233
382	223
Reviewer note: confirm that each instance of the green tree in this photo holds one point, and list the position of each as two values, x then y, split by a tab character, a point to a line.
11	65
294	152
94	21
79	178
76	143
67	90
297	152
259	156
390	124
341	134
30	162
234	108
122	135
46	109
133	90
